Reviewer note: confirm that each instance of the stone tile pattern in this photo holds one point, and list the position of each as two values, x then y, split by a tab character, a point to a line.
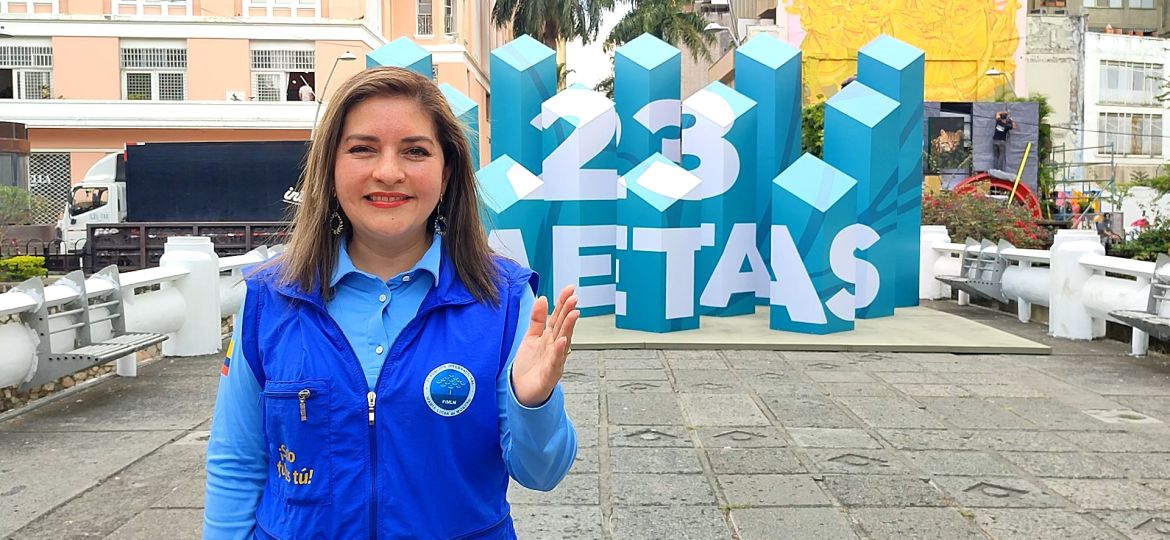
748	444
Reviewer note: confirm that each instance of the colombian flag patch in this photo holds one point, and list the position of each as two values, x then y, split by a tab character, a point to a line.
227	360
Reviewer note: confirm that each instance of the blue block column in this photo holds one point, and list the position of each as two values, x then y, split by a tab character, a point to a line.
861	140
813	238
514	219
767	71
718	146
579	128
524	74
896	69
646	91
658	244
467	111
403	53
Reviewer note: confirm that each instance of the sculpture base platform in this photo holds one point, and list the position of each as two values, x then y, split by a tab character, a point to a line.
912	330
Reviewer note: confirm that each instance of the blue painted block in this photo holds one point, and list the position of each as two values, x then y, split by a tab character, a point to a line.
524	74
579	181
657	249
767	70
813	238
897	70
861	139
513	218
719	147
467	111
646	90
403	53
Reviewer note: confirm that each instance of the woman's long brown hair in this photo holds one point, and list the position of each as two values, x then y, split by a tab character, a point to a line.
311	256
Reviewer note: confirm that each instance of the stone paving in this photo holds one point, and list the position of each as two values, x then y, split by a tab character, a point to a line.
703	445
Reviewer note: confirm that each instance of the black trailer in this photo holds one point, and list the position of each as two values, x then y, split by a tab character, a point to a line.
240	194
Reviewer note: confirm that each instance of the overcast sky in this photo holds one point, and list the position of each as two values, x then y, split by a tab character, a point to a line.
588	63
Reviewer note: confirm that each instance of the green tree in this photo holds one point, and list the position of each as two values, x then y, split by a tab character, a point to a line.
812	129
667	20
550	21
17	207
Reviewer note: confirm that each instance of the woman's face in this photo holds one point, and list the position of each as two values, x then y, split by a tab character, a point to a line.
389	171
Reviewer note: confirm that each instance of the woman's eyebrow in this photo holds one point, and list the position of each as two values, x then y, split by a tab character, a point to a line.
359	137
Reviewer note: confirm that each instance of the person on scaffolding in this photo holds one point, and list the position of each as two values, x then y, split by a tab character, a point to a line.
1003	127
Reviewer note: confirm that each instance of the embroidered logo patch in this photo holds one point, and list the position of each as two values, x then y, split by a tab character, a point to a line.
449	389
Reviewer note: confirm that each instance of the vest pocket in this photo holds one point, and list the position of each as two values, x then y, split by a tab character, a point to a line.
298	429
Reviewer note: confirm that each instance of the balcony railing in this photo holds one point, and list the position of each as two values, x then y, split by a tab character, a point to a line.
426	24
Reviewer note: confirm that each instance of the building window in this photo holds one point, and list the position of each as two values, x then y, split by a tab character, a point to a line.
1131	134
283	75
449	19
1141	4
282	8
26	72
426	26
1129	83
152	7
154	74
29	6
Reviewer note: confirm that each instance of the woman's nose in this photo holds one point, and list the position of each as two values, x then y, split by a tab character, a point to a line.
389	170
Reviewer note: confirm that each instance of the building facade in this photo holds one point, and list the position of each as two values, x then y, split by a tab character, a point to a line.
89	76
1138	17
1125	124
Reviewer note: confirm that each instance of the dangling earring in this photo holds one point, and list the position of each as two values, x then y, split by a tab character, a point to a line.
440	221
336	224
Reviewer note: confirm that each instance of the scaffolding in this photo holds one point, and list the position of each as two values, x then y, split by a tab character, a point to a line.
1080	193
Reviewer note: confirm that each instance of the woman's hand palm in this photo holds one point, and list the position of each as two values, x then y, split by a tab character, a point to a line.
540	359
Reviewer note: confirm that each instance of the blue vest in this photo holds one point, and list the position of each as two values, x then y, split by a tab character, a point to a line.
419	456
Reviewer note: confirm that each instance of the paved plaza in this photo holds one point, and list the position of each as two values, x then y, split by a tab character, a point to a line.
703	445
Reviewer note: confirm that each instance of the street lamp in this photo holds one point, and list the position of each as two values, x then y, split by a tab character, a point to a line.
1007	78
343	57
716	27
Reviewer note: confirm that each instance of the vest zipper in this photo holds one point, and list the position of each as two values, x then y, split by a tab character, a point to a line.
371	399
302	396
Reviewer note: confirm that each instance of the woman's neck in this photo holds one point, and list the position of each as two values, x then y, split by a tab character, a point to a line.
385	260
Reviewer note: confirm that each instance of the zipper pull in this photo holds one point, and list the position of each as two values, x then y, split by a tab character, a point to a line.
371	397
303	395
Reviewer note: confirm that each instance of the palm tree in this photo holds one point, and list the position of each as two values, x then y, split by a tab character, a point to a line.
550	21
666	20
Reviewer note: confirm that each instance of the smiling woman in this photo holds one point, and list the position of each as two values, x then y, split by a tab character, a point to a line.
364	357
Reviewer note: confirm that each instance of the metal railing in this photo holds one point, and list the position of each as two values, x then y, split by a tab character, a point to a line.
78	322
1081	286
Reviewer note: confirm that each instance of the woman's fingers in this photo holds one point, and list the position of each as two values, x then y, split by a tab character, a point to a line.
538	318
566	330
561	309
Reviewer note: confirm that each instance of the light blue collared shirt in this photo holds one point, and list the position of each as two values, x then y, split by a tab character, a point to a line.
538	444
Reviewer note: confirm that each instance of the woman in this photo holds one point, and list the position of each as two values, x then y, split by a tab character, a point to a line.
353	400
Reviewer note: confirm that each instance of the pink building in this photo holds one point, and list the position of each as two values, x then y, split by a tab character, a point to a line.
88	76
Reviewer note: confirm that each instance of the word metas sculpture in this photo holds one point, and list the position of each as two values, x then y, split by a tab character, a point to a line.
661	210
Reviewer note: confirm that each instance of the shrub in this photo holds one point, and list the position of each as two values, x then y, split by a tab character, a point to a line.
980	217
22	267
1147	245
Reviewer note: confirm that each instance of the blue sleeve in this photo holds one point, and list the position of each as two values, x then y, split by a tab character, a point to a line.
236	460
539	443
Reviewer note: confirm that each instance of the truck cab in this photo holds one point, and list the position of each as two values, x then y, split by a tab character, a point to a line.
100	197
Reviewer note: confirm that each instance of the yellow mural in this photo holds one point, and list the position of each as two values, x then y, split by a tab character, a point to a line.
962	40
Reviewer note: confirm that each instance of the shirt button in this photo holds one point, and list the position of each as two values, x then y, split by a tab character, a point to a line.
406	277
378	349
381	298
